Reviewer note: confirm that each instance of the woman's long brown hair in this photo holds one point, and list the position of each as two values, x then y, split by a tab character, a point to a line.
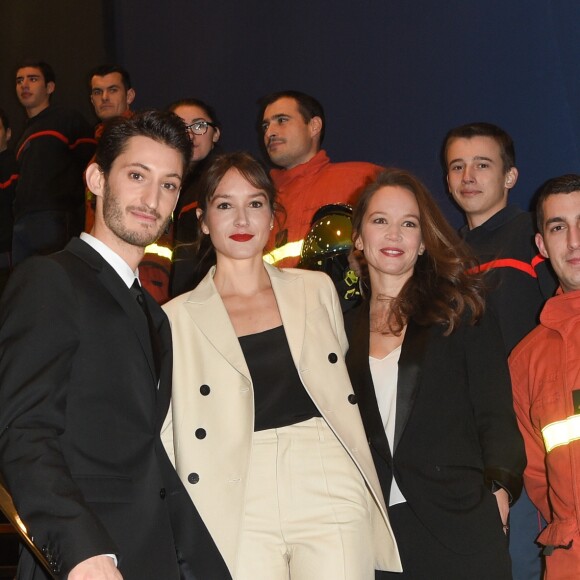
441	290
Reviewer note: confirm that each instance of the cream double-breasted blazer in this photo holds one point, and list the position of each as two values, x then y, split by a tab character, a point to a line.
208	431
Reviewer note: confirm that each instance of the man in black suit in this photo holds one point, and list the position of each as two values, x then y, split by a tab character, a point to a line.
85	371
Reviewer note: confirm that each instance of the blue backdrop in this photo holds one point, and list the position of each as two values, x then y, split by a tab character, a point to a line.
393	76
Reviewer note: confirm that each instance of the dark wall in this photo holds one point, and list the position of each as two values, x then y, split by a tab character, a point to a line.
393	76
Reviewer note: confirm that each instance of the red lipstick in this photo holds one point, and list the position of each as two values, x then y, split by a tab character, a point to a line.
241	237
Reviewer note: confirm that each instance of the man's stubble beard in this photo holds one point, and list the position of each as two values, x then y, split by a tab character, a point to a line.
113	215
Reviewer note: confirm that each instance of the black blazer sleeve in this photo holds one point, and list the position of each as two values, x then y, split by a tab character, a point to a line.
39	336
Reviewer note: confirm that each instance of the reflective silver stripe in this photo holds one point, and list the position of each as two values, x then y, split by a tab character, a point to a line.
289	250
162	251
561	432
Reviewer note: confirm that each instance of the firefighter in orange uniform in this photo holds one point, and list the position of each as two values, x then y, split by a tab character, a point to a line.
545	369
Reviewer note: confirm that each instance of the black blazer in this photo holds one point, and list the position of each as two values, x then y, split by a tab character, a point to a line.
455	430
80	416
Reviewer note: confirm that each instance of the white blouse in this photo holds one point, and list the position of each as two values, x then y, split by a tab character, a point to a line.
385	372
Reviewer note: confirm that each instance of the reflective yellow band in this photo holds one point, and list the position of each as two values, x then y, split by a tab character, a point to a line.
561	432
162	251
289	250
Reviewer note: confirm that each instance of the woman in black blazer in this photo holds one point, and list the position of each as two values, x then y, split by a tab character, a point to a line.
428	367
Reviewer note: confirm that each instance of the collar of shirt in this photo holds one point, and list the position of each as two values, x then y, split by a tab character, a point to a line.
114	260
40	115
561	313
496	221
101	126
284	176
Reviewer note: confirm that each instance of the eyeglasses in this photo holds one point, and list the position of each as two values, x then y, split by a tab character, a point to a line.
200	127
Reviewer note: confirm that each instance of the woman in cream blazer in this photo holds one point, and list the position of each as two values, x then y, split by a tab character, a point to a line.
210	429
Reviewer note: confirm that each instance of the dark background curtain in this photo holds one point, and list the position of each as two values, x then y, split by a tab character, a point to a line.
393	76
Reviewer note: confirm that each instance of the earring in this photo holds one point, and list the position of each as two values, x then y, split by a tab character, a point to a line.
271	227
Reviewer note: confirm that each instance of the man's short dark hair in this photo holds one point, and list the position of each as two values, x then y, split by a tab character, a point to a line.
564	184
161	126
107	69
46	70
505	142
191	102
4	119
307	106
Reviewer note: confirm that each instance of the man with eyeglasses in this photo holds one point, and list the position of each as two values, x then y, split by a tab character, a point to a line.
292	125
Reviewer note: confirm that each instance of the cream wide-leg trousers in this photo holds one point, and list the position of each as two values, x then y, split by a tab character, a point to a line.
307	512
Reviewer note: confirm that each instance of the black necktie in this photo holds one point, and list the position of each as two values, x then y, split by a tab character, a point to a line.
137	293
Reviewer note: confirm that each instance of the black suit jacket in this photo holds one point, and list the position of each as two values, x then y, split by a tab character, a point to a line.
455	431
80	415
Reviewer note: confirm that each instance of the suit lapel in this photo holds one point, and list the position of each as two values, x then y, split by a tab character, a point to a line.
120	292
357	360
107	276
166	354
410	364
290	296
207	311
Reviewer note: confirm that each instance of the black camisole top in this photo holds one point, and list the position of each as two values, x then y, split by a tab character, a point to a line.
280	398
